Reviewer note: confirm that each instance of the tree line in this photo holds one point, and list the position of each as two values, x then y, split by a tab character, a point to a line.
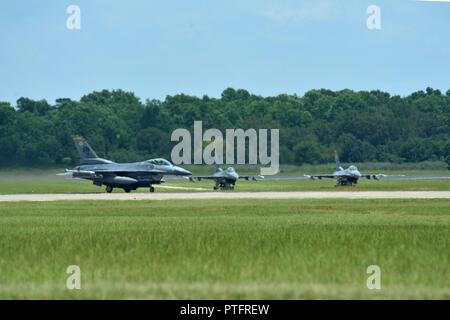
363	126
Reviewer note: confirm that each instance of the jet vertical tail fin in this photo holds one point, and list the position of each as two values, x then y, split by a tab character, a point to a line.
336	159
84	149
87	154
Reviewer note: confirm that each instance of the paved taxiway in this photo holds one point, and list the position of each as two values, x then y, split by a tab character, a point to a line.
230	195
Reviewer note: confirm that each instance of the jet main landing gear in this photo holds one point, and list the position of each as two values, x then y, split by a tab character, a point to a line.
224	186
110	189
344	183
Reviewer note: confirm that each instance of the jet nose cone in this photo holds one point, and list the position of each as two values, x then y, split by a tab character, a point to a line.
181	172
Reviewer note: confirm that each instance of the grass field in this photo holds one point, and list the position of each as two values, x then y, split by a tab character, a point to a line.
46	181
277	249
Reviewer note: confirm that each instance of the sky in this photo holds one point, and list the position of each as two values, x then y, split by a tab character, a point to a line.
198	47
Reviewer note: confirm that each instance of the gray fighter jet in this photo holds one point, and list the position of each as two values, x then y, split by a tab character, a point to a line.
345	177
225	179
127	176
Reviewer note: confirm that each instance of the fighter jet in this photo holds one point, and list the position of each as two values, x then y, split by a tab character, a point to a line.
346	177
127	176
225	179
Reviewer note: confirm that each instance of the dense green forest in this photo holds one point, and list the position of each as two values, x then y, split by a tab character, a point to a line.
362	126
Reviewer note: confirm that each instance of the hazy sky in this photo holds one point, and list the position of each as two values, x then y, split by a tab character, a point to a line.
156	48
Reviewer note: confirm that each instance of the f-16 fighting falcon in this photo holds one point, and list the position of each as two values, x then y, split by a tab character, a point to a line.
225	179
127	176
346	177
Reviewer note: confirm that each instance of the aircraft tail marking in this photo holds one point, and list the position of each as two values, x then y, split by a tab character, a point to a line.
87	154
84	149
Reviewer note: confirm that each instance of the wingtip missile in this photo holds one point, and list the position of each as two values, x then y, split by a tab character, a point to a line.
66	173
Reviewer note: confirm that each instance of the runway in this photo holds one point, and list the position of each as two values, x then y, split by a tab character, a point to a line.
230	195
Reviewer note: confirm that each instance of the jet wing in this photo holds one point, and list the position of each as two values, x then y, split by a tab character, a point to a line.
200	178
253	178
123	169
373	176
320	177
331	176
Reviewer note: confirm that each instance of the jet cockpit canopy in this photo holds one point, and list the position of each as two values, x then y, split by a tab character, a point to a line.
160	162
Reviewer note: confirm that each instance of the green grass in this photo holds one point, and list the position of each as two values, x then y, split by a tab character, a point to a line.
277	249
46	181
